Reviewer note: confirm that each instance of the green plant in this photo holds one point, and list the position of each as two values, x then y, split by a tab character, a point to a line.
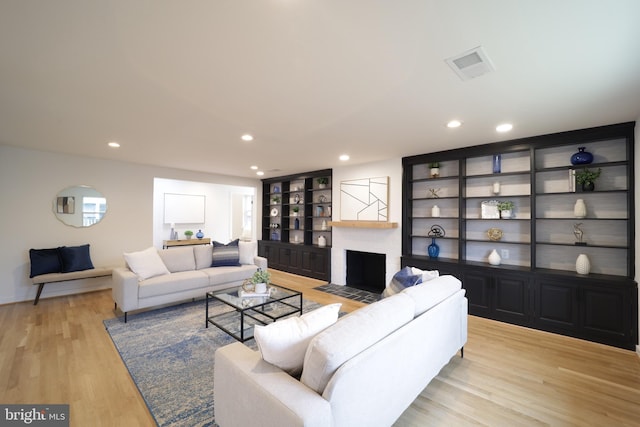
295	209
261	276
505	206
434	165
188	233
585	176
323	180
276	199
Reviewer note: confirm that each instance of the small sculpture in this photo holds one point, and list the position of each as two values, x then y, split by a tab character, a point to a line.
577	231
433	193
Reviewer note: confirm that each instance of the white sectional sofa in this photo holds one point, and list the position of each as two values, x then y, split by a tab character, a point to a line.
364	370
160	277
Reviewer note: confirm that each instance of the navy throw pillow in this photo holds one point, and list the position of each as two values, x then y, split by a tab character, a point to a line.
226	255
75	258
44	261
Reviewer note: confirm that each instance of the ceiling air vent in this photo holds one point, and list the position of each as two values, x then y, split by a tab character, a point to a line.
470	64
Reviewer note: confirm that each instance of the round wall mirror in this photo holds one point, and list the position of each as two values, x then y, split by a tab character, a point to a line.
80	206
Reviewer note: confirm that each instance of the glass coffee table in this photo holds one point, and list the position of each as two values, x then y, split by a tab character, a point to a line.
240	314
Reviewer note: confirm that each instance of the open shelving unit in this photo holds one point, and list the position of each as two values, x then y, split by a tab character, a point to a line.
536	284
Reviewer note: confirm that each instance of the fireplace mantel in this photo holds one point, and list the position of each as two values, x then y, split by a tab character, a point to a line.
363	224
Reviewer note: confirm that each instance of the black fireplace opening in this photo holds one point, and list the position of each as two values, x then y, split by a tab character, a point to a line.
366	271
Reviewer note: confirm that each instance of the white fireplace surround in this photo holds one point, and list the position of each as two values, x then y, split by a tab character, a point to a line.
386	241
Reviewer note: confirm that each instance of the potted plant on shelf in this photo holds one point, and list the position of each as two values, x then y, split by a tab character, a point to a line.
188	234
434	169
587	178
275	200
295	210
322	181
506	209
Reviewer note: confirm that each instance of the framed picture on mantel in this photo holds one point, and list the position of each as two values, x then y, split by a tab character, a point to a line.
365	199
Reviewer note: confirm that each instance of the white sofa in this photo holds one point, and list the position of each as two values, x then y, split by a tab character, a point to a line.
178	274
364	370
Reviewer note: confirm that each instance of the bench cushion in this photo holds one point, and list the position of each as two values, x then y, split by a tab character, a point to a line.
74	275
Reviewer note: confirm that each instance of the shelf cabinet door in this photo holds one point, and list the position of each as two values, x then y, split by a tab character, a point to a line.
605	315
511	298
556	306
478	292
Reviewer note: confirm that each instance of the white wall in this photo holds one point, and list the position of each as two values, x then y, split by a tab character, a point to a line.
383	241
218	209
29	180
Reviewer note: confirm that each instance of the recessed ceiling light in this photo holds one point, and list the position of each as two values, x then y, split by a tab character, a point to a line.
247	137
454	124
259	173
255	168
504	127
113	144
344	157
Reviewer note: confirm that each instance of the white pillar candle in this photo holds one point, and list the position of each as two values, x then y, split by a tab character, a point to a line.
496	187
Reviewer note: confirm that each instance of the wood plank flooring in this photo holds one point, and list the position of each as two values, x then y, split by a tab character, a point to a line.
59	352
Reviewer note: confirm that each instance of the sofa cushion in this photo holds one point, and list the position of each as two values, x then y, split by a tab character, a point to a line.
203	256
178	259
146	263
431	293
44	261
351	335
75	258
225	255
284	343
401	280
248	250
173	282
219	275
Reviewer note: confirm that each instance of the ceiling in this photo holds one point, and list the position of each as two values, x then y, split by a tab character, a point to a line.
177	83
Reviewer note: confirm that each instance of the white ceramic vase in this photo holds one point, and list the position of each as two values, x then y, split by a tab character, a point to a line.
322	241
583	265
494	258
435	211
580	209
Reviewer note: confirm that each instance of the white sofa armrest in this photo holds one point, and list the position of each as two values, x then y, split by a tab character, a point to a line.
261	262
125	289
250	391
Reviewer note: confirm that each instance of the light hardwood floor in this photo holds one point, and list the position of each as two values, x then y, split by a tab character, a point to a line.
59	352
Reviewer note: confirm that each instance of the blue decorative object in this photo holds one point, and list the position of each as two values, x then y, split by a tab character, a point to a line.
199	234
497	163
296	224
433	249
581	157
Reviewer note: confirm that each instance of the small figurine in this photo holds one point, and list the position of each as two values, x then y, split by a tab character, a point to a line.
577	231
433	193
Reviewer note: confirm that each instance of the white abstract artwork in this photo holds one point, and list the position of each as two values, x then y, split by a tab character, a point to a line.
364	199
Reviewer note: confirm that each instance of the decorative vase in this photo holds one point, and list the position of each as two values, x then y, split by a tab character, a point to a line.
199	234
323	226
433	249
588	186
494	258
495	188
296	224
435	211
581	157
497	163
506	214
322	241
580	209
188	236
583	266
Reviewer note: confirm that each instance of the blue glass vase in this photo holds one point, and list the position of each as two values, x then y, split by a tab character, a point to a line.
199	234
433	249
497	163
296	224
581	157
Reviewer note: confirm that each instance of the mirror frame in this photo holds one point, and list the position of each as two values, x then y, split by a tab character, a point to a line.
68	206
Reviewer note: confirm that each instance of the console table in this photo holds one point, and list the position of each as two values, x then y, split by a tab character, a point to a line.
186	242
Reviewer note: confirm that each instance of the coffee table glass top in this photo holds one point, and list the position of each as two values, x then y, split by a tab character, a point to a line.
275	294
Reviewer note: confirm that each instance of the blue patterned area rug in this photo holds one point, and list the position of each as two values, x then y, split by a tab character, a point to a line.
169	355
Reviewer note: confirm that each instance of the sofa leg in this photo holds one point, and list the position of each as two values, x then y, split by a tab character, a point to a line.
125	317
461	352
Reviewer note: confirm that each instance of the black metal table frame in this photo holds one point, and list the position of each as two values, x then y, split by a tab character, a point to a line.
258	308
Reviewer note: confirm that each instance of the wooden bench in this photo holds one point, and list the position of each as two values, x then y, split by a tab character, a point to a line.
42	279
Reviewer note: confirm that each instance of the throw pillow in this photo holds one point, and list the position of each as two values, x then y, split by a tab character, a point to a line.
247	251
178	259
426	274
284	343
75	258
44	261
401	280
225	255
146	263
